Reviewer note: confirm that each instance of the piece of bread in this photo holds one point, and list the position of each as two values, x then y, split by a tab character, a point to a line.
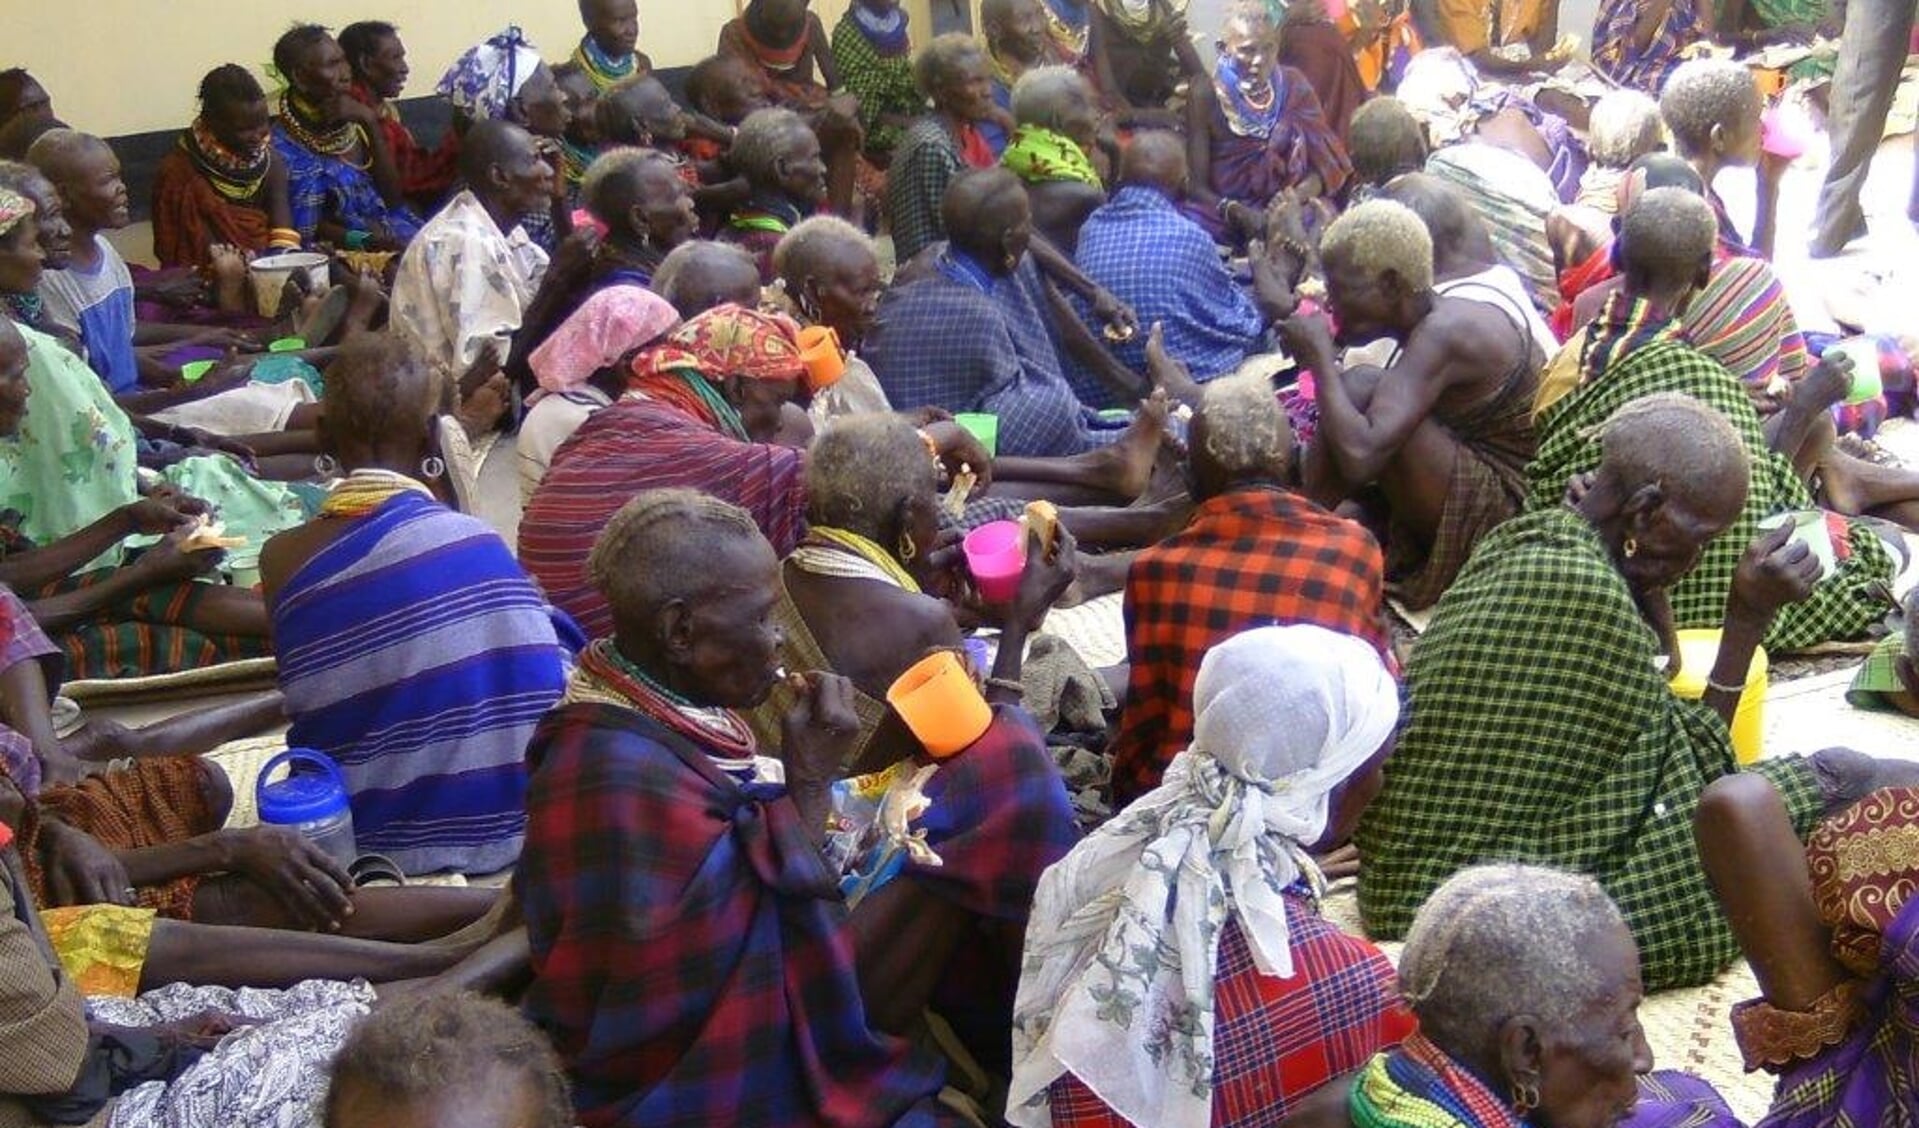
1043	518
210	536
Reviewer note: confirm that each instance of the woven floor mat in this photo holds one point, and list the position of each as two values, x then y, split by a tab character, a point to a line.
1096	630
226	677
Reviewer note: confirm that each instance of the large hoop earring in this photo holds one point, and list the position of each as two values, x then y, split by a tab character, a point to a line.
1630	548
432	468
907	549
326	466
1525	1098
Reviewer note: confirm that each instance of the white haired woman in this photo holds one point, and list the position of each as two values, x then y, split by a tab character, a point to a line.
1526	985
1177	972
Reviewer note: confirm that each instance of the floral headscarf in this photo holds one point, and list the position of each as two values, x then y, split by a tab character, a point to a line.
485	80
725	341
13	208
611	324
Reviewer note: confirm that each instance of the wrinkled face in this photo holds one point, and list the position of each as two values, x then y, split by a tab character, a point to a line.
322	76
243	127
95	196
732	645
541	105
800	171
385	70
1589	1073
662	117
665	212
846	291
761	404
1365	306
1669	539
582	100
22	261
968	94
13	381
524	179
1079	120
56	234
614	26
1251	47
1020	34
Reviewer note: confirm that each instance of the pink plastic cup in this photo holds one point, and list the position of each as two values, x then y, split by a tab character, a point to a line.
996	555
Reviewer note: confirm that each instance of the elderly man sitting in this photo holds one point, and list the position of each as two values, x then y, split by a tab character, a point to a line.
1253	553
971	337
465	281
1156	260
1057	115
1445	431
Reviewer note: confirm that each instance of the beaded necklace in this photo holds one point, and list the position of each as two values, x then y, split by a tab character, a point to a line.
234	175
363	491
710	726
847	555
603	69
297	118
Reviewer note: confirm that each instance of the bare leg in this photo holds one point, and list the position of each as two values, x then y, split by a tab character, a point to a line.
1757	867
409	915
1122	470
189	734
903	938
224	610
1418	480
1099	574
222	956
290	466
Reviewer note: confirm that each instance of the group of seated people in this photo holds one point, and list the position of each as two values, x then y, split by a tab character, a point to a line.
1279	360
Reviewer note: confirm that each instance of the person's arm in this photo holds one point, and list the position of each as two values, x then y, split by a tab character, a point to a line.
1096	50
38	568
1363	442
1775	571
24	694
1045	578
819	43
1199	145
164	563
304	878
279	199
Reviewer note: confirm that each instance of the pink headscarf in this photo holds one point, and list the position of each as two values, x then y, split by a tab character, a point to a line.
611	324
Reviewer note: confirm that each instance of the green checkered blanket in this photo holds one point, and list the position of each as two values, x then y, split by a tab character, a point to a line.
1841	607
1541	730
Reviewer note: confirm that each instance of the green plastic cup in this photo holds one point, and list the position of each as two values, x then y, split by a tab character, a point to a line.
193	371
983	427
287	344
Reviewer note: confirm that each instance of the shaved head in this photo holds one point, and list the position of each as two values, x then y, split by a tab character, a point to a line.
490	144
980	207
1156	159
58	152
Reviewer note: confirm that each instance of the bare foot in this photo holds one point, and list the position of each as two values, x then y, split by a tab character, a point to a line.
368	299
1099	574
228	268
1167	374
1128	464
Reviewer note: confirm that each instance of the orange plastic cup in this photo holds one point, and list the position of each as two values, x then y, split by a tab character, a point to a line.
941	704
820	352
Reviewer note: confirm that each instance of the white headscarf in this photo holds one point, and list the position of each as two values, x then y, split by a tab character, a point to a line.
1117	983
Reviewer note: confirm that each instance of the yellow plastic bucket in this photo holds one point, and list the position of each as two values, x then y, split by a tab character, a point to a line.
1698	650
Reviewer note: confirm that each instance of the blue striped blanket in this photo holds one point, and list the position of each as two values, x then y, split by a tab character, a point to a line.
415	652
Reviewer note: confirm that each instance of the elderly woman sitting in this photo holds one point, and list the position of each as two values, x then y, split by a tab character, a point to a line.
864	586
342	185
583	367
640	198
702	886
779	156
1527	990
1542	726
952	72
1051	150
1196	906
1257	128
412	649
1625	126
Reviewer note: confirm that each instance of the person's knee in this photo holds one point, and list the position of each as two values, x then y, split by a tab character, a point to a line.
216	791
1734	799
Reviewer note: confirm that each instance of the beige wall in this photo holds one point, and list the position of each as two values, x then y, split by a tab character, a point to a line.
131	66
